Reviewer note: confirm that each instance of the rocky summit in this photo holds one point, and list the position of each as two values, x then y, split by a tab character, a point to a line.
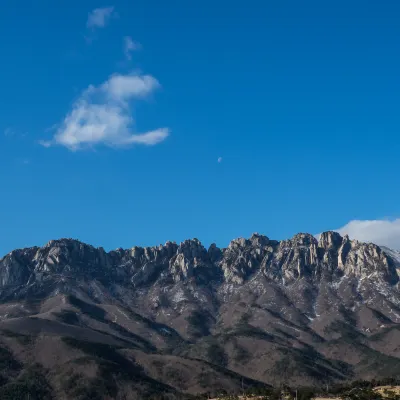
184	319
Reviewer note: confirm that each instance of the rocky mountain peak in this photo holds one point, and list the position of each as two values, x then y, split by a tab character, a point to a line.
192	248
330	240
191	254
364	260
64	255
237	243
259	240
214	253
301	257
64	242
303	239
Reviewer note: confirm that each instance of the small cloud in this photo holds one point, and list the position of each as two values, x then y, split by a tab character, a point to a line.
102	115
99	17
219	160
381	232
22	161
130	46
9	132
45	143
120	88
150	138
14	133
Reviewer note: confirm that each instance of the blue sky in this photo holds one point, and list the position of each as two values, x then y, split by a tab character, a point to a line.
113	121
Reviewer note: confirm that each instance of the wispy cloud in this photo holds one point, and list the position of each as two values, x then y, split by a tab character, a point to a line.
99	17
24	161
130	46
103	115
9	132
219	160
14	133
382	232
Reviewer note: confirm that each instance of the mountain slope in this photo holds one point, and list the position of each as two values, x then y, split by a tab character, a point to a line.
299	310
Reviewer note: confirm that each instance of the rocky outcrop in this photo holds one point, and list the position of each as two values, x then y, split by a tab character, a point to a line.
301	257
294	259
190	256
243	257
16	268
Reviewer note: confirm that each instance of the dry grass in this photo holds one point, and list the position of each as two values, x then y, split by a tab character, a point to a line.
382	389
242	398
327	398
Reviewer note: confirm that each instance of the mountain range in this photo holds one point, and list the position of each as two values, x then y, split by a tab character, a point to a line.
77	322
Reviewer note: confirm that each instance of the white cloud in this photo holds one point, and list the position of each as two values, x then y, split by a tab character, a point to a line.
150	138
123	87
130	46
99	17
102	115
381	232
219	160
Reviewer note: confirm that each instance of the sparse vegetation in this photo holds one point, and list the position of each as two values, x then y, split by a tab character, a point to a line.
31	384
7	361
216	354
113	369
21	339
68	317
198	323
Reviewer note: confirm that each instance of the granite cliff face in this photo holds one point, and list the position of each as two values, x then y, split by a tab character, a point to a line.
302	309
285	262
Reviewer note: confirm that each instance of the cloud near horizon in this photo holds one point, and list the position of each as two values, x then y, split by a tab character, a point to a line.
103	115
380	232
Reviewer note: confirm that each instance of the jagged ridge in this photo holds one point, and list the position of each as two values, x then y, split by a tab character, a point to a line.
303	256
